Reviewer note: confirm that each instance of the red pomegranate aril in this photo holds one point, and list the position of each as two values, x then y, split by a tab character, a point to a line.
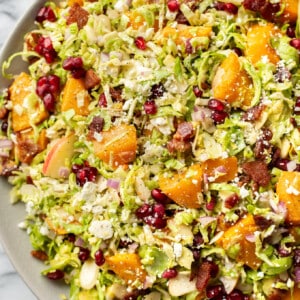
169	273
144	211
84	254
282	164
211	204
254	5
157	90
56	275
197	92
72	63
235	295
71	237
84	174
78	73
45	13
45	48
99	258
159	196
215	104
295	43
228	7
54	83
212	292
290	31
150	107
140	43
219	116
49	102
198	240
173	5
156	222
232	201
102	100
158	210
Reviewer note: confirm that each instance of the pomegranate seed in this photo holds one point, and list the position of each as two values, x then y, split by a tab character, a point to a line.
72	63
56	275
211	204
158	210
49	102
290	31
214	292
282	164
71	237
54	83
215	104
235	295
140	43
84	173
169	273
156	222
173	5
296	257
102	100
99	258
144	211
150	107
78	73
45	13
45	48
295	43
228	7
84	254
159	196
232	201
219	116
254	5
197	92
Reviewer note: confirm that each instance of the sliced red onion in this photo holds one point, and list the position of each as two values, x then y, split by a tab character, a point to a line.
63	172
6	144
79	242
113	183
282	209
297	274
250	238
204	221
220	169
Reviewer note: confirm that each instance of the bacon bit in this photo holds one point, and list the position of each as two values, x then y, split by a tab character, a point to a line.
7	167
78	15
258	171
116	94
40	255
27	150
204	275
91	79
185	131
175	145
253	113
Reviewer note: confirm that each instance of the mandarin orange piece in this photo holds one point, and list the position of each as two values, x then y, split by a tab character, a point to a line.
184	188
117	146
75	96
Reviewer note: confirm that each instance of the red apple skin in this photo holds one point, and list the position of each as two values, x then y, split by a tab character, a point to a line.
56	158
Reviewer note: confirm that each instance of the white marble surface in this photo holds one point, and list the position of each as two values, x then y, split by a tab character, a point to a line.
11	285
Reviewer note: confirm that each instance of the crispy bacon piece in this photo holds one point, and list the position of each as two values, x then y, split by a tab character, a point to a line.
116	94
258	171
204	274
40	255
253	113
77	15
91	79
185	131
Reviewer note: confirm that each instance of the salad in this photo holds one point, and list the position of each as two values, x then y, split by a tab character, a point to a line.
156	147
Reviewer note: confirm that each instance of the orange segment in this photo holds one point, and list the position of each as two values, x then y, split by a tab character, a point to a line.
232	83
24	113
288	191
117	146
181	33
290	13
236	235
127	266
222	169
184	188
259	43
76	97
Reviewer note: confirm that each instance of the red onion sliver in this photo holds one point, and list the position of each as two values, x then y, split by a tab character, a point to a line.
79	242
207	220
250	238
6	144
113	183
63	172
297	274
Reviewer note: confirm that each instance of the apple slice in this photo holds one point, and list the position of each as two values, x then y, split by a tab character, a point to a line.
60	153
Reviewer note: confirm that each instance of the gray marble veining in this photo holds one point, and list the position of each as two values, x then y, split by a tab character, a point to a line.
11	285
